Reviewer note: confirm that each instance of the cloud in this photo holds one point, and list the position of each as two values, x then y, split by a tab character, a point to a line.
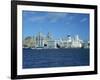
26	13
37	18
67	23
54	17
70	19
50	17
83	20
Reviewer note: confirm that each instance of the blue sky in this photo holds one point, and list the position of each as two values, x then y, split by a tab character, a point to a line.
59	24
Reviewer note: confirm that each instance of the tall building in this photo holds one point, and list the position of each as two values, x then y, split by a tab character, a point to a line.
50	42
49	36
39	40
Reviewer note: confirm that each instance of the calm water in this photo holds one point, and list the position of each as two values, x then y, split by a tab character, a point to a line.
33	58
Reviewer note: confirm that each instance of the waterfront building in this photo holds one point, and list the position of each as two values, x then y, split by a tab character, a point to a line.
40	40
47	41
76	42
70	42
51	44
49	36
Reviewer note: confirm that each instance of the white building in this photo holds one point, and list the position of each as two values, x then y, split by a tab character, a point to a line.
51	44
48	41
39	40
70	42
76	42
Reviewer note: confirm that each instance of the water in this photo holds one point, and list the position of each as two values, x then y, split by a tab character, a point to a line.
42	58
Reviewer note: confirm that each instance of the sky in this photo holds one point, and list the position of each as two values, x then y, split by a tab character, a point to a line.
59	24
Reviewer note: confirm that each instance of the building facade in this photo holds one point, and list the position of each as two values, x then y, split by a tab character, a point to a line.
47	41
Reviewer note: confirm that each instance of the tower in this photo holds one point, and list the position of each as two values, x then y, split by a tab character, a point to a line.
49	37
69	38
39	40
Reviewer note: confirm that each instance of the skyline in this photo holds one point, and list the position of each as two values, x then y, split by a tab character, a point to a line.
59	24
